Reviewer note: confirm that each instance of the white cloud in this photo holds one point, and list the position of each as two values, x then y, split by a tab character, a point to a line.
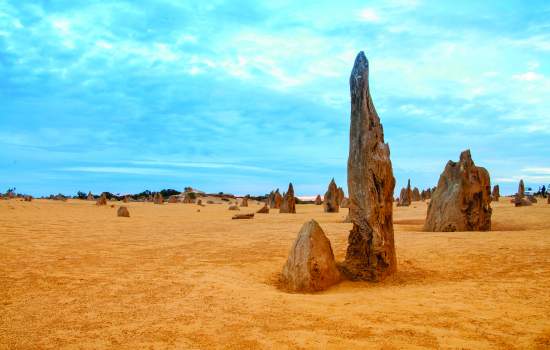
369	15
62	25
528	76
540	170
103	44
201	165
119	170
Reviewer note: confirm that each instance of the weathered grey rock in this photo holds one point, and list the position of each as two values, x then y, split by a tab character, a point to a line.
405	197
521	202
318	200
123	212
345	203
462	200
158	199
275	199
264	209
189	198
341	195
102	200
416	195
371	251
521	189
426	194
332	198
495	195
243	216
288	204
310	266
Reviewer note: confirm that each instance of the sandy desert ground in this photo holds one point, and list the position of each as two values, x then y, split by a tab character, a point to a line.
74	275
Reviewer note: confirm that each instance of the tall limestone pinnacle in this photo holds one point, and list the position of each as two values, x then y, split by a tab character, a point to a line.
371	250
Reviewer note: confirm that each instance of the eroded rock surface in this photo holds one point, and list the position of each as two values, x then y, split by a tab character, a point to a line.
275	199
288	204
318	200
462	199
123	212
371	252
102	200
416	195
332	198
310	266
405	197
263	210
495	195
158	199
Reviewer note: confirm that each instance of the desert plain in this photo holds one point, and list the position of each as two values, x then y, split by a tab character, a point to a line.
74	275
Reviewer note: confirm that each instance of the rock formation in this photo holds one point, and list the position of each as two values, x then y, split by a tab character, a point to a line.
199	202
275	199
495	195
532	199
519	199
332	198
244	202
345	203
521	202
123	211
462	200
405	197
102	200
318	200
158	199
548	199
189	198
416	195
173	199
310	266
243	216
234	207
371	252
288	204
264	209
426	194
126	199
521	189
341	195
28	199
90	196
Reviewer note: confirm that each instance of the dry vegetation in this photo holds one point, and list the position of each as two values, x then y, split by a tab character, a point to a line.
73	274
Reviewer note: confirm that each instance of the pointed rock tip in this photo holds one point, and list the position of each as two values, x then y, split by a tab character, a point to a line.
361	62
466	155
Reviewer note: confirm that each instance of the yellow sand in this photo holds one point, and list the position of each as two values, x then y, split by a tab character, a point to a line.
74	275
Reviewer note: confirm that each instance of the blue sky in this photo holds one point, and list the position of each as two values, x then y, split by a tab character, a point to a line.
245	96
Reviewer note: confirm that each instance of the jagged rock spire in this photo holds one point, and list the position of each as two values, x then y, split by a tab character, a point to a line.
371	251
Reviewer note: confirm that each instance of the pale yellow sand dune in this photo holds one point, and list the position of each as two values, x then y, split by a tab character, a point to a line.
75	275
